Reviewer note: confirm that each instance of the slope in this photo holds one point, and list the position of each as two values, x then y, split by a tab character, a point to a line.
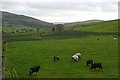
106	26
14	19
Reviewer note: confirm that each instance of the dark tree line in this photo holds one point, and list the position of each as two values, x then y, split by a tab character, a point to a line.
58	28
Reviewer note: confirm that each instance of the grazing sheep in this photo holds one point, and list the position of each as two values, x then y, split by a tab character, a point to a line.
97	39
115	38
89	62
79	55
75	57
34	69
56	58
96	65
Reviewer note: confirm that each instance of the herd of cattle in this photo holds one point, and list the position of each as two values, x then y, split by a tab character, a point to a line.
76	58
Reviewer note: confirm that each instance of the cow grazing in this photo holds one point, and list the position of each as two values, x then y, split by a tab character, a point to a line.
89	62
34	69
56	58
96	65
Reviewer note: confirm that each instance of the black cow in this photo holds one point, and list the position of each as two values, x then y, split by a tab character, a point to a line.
34	69
56	58
96	65
89	62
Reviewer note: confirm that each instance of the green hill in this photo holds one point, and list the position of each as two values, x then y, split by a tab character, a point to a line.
21	20
105	26
82	23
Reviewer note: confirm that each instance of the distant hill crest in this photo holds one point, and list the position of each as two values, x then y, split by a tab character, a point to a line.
23	20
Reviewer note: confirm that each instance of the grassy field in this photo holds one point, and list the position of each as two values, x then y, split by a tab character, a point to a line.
22	55
29	48
108	26
24	36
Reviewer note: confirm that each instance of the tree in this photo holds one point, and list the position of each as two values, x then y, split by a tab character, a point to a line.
37	30
59	27
53	29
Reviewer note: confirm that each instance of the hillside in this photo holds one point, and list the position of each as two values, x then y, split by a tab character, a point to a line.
104	26
83	22
14	19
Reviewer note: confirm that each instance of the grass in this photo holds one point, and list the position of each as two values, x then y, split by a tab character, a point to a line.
22	55
108	26
23	52
26	36
100	28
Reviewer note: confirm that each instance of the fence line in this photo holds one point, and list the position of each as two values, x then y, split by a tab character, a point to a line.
4	46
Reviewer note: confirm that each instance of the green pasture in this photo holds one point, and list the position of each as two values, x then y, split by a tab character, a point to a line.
21	55
23	36
108	26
